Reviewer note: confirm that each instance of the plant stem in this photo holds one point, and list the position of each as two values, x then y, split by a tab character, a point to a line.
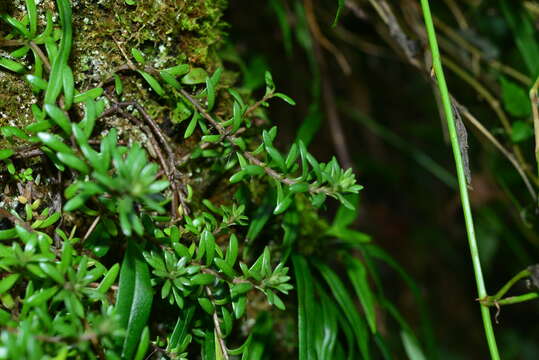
524	273
518	299
535	115
444	93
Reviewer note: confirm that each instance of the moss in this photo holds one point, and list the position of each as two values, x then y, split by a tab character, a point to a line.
168	32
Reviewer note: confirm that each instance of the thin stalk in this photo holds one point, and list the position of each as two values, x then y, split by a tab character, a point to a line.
524	273
518	299
444	93
535	115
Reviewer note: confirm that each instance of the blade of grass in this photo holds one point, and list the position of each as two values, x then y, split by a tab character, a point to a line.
343	298
444	93
304	286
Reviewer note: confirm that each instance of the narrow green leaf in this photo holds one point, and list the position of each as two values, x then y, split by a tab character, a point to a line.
52	272
181	329
344	300
40	297
32	16
240	289
8	234
118	85
286	98
134	299
239	306
69	87
232	252
206	305
306	315
358	277
91	94
227	321
8	282
210	89
143	344
154	84
178	70
137	54
48	30
411	347
170	79
195	76
17	25
55	142
12	65
20	52
225	267
59	59
108	279
59	117
73	162
242	348
192	125
202	279
6	153
340	6
37	82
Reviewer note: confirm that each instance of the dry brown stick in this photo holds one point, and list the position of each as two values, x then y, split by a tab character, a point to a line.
170	167
33	46
116	108
177	193
91	229
217	325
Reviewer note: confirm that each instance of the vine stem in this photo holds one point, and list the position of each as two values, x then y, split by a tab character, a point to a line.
468	219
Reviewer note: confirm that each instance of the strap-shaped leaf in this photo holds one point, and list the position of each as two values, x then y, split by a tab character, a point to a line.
358	277
12	65
60	60
181	330
69	86
344	300
152	82
91	94
32	15
59	117
135	297
306	316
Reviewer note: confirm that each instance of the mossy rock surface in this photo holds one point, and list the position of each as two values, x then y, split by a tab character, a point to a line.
167	32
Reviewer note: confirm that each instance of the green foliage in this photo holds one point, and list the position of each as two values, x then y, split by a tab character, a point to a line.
211	263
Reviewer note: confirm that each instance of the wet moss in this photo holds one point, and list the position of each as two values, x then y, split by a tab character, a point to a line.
167	32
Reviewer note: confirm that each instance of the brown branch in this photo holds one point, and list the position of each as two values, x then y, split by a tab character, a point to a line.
217	325
168	166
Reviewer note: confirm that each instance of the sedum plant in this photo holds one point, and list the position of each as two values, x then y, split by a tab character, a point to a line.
170	245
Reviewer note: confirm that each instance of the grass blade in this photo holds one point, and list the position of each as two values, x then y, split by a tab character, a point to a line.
304	286
135	297
348	307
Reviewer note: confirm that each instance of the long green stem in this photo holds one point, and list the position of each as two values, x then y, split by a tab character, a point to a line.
444	93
